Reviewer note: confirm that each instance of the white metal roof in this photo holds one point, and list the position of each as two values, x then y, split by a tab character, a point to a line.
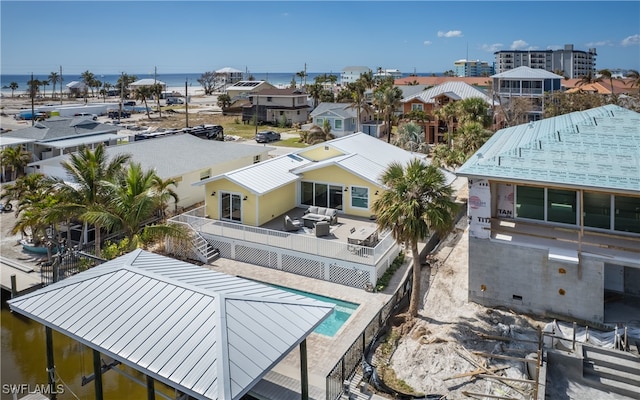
525	72
361	155
454	89
79	141
207	334
264	176
13	141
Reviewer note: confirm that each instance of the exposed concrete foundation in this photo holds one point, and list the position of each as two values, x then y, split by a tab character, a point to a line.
527	280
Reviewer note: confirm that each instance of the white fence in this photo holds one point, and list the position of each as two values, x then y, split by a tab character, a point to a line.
351	265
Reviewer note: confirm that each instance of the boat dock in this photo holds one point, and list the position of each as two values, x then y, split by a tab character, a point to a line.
26	278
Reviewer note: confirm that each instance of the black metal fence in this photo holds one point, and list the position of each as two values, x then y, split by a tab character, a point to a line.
346	367
67	263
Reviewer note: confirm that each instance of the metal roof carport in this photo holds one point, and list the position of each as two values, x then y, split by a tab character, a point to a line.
205	333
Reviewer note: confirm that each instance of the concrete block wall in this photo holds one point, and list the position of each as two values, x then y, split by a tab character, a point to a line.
524	279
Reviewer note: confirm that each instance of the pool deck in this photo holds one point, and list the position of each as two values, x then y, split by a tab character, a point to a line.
323	352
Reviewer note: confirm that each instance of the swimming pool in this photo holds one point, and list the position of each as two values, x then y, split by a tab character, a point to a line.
340	314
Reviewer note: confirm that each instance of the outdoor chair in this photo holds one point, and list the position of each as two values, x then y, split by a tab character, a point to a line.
291	225
322	228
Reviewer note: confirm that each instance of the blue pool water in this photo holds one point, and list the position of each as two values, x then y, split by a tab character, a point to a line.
340	314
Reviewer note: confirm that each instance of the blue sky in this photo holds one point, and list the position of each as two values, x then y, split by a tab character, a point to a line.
268	36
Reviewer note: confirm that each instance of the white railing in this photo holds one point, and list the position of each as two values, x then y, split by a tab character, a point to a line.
290	241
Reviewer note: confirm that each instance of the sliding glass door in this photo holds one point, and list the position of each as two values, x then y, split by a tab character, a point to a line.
321	195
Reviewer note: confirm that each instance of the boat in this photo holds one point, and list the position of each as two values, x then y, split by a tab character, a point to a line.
29	246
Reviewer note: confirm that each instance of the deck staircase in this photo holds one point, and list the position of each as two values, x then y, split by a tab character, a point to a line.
612	370
205	250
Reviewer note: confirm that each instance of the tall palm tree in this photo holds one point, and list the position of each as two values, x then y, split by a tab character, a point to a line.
387	100
54	78
448	114
634	78
315	90
13	86
134	202
416	203
358	101
301	75
156	91
44	84
16	158
90	172
606	74
143	93
88	79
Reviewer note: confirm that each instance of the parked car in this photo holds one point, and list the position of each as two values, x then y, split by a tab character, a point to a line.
93	116
267	136
114	114
174	100
129	103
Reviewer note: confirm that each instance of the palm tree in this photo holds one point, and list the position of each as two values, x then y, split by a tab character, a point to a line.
15	157
34	88
44	84
33	193
417	202
606	74
473	109
301	75
142	93
411	137
163	191
13	86
588	79
134	202
90	172
156	91
448	114
634	78
88	79
54	78
358	100
315	90
387	100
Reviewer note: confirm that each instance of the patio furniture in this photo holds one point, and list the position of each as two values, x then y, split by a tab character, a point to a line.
322	228
327	214
291	225
366	236
310	220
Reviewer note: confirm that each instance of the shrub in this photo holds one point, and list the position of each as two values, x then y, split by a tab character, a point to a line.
383	281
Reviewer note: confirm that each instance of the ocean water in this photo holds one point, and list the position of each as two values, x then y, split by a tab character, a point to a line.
173	81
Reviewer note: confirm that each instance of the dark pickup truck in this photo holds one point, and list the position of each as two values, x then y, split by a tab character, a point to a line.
117	114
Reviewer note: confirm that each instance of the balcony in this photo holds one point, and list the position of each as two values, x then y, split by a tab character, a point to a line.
330	257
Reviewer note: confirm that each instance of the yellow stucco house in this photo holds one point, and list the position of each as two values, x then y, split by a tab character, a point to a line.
342	174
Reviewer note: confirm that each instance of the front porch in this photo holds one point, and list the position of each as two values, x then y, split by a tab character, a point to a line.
330	258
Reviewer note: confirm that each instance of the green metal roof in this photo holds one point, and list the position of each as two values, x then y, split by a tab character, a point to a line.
596	148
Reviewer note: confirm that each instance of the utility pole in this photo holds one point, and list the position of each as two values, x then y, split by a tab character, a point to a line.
32	92
61	85
257	111
305	76
121	96
186	103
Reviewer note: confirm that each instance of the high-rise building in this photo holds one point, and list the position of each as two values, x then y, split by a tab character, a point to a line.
572	63
473	68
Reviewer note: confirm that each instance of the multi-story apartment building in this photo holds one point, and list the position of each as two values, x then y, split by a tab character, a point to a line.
351	74
464	68
572	63
525	83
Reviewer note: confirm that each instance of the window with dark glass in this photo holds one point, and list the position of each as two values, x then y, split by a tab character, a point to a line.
627	214
597	210
530	202
561	206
